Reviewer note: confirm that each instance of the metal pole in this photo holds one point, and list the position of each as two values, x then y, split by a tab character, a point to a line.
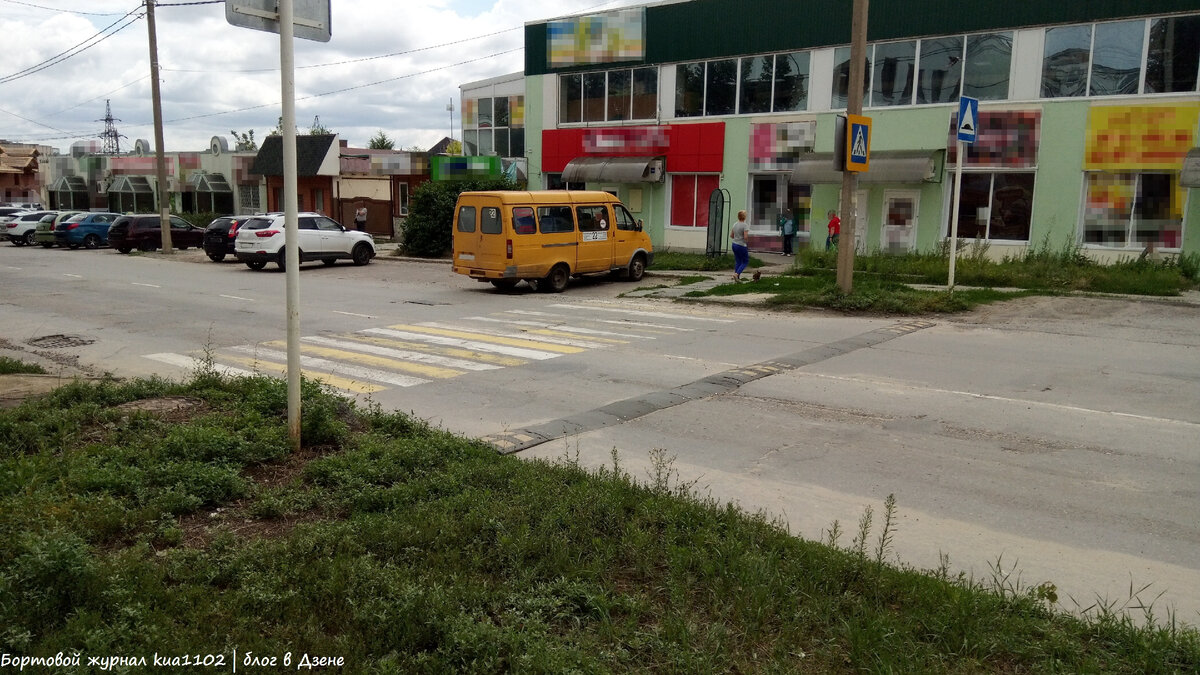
164	190
287	67
854	96
958	162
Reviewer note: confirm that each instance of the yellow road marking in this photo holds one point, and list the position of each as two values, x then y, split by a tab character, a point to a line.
457	352
373	361
493	339
342	383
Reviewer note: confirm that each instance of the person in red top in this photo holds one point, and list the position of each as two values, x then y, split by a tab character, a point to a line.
835	228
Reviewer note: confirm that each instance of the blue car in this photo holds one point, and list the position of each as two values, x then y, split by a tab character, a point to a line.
89	230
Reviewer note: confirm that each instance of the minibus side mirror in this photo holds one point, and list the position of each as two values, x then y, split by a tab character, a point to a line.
639	225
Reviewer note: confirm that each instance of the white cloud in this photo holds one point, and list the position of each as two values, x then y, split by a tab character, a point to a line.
205	87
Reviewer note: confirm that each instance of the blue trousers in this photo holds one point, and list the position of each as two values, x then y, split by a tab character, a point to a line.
741	257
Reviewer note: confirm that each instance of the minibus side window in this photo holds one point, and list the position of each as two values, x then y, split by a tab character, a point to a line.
592	218
523	221
466	219
553	219
624	220
489	221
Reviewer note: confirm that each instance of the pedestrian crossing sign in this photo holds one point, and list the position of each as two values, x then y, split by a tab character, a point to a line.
858	143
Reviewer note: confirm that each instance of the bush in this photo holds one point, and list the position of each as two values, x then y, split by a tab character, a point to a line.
428	229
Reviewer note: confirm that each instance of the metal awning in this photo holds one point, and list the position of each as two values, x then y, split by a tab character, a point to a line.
887	166
210	182
615	169
134	184
69	184
1189	176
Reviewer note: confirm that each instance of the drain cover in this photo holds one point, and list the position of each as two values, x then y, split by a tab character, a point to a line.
56	341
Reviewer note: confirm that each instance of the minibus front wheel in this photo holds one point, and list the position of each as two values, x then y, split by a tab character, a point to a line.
637	268
556	280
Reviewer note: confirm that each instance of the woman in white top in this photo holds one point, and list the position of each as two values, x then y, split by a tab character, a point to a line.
741	254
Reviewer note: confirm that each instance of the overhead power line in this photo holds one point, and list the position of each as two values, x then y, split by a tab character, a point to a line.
75	50
65	11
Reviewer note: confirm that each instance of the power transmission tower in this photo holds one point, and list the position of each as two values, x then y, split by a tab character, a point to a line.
112	139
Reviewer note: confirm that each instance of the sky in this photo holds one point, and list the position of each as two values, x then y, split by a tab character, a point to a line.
391	65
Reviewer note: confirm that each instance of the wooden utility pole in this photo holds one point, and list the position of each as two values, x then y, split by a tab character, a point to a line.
854	100
164	190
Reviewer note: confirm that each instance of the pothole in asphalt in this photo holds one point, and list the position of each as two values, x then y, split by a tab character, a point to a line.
58	341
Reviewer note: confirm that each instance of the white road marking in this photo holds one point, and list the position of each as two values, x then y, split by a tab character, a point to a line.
478	346
196	364
364	316
147	285
237	297
638	312
401	354
519	336
73	276
558	327
333	367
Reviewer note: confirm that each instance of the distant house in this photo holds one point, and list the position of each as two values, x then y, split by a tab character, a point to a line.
336	179
19	179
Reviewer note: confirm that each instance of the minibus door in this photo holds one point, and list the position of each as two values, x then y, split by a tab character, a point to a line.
595	238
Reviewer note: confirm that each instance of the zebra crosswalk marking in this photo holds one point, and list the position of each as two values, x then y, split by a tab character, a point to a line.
332	367
487	359
511	350
191	363
544	342
639	312
345	384
494	337
662	328
405	354
371	361
591	333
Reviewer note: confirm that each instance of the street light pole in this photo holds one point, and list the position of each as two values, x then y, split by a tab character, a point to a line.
164	192
854	97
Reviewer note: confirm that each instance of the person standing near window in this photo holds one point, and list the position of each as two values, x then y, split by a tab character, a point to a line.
360	219
835	228
787	225
741	253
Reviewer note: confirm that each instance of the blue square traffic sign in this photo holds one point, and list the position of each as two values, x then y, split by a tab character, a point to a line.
968	119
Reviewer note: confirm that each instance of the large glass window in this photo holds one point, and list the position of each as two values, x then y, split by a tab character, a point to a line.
689	198
791	82
757	76
570	98
619	94
593	97
941	70
841	77
1117	58
689	90
1133	209
892	81
720	95
1066	61
995	206
988	62
645	93
1171	62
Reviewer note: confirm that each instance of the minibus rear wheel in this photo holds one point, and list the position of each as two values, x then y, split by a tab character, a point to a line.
556	280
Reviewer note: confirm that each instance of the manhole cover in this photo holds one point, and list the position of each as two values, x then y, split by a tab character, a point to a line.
56	341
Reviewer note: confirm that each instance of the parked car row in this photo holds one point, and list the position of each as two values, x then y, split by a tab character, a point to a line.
255	240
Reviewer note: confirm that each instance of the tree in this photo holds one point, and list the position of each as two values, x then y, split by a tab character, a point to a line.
244	141
428	228
380	141
454	148
278	130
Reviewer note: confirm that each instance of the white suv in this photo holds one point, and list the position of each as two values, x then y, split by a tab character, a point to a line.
19	229
260	240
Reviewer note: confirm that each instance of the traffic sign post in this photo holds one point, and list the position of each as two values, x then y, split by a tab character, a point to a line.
968	125
308	19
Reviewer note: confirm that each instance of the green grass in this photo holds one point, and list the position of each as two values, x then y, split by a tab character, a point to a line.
675	260
402	548
16	367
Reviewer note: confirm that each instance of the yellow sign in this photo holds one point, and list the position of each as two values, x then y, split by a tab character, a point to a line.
858	143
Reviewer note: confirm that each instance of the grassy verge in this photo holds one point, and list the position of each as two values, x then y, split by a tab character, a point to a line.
401	548
15	367
675	260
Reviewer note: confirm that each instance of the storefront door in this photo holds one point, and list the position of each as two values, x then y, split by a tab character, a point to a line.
899	231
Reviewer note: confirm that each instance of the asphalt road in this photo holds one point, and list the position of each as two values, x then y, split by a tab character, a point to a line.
1048	439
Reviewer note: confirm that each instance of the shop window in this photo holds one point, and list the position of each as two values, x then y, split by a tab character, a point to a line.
516	142
554	181
995	206
501	117
593	97
1133	209
757	76
987	66
501	146
720	87
486	145
470	141
689	198
1117	58
570	98
689	90
940	71
619	94
892	81
1066	61
485	113
791	82
1174	52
